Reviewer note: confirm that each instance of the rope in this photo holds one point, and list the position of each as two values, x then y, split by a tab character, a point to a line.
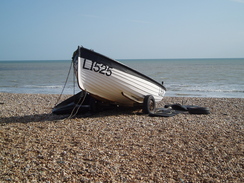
79	104
73	113
74	82
64	84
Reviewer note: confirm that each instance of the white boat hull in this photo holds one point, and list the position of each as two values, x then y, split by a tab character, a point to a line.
113	84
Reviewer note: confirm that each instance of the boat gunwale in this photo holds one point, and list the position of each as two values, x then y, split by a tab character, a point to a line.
122	67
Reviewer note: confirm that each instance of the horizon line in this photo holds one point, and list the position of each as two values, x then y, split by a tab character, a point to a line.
127	59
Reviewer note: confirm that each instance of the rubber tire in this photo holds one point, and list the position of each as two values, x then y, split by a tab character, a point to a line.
149	104
198	110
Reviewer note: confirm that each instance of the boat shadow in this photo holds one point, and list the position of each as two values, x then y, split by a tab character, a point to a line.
54	117
30	118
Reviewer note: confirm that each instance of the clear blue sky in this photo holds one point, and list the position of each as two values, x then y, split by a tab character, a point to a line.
121	29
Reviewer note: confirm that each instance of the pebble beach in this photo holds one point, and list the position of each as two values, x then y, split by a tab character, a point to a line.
120	145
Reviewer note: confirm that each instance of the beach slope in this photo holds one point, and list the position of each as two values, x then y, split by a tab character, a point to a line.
119	145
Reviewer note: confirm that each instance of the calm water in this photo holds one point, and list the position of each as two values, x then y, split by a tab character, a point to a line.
182	77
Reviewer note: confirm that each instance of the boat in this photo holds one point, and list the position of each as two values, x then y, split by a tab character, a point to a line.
106	79
106	83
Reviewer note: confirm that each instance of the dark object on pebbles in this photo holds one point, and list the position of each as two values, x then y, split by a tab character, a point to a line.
79	103
198	110
165	112
83	103
173	109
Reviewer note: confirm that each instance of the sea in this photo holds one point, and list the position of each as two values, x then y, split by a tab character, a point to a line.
218	78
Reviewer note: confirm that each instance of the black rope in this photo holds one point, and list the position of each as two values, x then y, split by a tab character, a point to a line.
74	81
79	104
64	84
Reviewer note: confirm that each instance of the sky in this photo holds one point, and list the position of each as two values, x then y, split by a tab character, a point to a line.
128	29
